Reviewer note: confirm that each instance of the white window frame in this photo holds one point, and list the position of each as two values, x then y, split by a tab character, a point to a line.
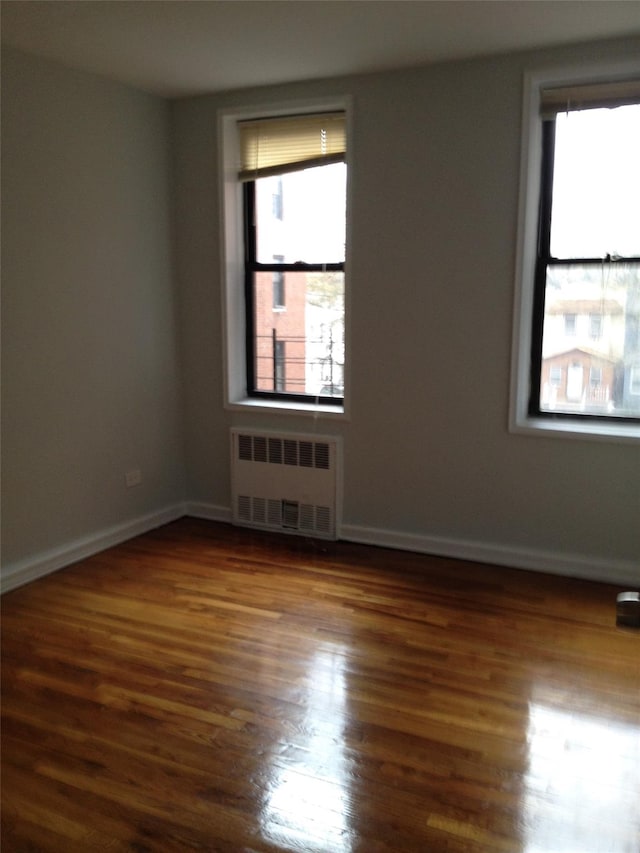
520	421
236	397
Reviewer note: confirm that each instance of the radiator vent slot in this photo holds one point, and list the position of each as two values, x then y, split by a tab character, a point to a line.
285	482
284	451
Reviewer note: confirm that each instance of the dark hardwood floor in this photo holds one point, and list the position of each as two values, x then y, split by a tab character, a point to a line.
207	688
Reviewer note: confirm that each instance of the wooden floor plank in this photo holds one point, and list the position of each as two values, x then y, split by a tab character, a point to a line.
208	688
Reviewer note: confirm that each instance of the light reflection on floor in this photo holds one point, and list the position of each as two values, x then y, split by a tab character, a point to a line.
308	797
584	772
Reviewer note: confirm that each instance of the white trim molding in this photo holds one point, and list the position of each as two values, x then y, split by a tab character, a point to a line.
31	568
586	567
207	511
623	572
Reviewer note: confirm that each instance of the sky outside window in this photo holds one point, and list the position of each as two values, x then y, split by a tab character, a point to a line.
596	187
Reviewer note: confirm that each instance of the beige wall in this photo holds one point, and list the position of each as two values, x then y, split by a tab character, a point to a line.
89	368
428	456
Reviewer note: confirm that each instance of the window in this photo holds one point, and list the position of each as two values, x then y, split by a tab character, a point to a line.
589	245
570	324
555	376
595	326
276	200
279	362
285	180
278	284
579	256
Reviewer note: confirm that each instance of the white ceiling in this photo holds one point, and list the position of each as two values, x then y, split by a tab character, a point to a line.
183	47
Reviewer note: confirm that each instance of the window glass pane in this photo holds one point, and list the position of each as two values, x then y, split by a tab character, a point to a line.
300	350
587	374
596	185
307	222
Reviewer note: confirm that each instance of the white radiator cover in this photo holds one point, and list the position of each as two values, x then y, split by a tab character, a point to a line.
285	481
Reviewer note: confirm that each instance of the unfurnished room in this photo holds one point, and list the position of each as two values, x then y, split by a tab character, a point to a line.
321	426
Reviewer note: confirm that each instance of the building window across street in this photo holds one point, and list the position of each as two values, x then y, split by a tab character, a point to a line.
570	324
279	365
276	199
278	284
555	376
595	326
595	376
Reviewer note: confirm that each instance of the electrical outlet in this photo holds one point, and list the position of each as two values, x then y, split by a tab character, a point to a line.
133	477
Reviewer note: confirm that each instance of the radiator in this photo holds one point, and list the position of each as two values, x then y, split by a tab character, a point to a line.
285	481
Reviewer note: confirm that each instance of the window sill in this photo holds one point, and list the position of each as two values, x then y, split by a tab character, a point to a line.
287	408
586	430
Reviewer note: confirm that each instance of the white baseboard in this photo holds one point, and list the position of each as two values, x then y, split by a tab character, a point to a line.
210	512
32	568
615	571
621	572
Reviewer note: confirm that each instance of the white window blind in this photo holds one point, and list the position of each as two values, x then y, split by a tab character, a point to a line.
276	145
588	97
